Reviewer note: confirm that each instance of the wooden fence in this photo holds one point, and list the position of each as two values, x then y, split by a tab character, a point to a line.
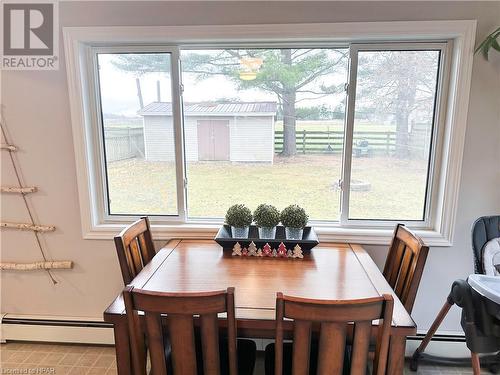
320	142
123	143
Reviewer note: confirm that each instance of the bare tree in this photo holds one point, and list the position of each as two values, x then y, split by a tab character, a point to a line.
398	84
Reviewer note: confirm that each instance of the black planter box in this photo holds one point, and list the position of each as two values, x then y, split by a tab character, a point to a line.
226	240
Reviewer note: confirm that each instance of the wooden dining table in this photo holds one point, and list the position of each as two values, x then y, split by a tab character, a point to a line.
332	271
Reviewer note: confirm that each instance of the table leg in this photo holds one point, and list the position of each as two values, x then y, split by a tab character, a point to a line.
122	347
396	362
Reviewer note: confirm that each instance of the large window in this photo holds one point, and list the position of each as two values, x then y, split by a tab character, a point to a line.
361	124
268	125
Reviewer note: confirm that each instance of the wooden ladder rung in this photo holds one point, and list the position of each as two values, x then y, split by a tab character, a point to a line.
15	189
47	265
6	146
28	226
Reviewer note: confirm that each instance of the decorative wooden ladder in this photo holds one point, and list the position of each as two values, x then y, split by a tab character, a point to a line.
37	229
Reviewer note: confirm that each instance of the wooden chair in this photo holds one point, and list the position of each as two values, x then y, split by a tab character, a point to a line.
135	248
333	318
405	264
190	353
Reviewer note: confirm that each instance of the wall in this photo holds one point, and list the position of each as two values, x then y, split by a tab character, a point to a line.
36	111
159	138
252	139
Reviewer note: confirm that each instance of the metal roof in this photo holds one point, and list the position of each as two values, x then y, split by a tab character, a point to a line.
211	108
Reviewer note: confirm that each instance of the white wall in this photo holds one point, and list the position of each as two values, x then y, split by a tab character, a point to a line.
37	114
159	138
252	139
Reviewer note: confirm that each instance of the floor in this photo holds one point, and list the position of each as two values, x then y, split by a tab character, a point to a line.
59	359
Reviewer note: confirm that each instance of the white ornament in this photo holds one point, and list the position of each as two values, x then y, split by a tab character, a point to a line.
252	250
297	252
237	249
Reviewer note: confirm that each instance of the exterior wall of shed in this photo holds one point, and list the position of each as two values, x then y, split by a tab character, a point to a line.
251	138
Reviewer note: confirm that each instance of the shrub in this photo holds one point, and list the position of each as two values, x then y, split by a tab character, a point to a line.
266	216
294	216
239	216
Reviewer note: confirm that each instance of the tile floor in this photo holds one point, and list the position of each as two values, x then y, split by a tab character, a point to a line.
61	359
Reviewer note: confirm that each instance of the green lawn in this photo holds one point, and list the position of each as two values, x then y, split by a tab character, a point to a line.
397	186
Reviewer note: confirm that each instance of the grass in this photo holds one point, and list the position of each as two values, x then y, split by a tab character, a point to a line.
397	186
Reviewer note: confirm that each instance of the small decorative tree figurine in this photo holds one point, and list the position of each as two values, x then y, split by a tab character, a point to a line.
297	252
237	249
252	250
275	253
282	250
266	250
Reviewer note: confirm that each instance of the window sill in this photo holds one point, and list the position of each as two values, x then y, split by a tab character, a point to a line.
326	233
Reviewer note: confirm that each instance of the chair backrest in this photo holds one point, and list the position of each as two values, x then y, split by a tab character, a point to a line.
334	318
405	264
135	248
484	229
180	309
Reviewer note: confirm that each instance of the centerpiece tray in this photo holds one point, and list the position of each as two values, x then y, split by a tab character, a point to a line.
226	240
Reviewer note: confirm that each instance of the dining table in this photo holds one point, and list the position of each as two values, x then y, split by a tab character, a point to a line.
330	271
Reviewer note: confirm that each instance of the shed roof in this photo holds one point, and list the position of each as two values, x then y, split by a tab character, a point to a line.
212	108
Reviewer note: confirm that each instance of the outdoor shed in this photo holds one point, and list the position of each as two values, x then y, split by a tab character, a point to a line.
236	131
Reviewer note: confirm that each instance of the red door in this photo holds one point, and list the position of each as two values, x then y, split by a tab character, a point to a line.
213	140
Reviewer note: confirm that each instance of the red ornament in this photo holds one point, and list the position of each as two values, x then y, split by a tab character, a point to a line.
282	250
244	252
266	250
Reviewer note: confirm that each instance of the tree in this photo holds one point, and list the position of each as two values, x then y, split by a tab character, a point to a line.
397	83
293	75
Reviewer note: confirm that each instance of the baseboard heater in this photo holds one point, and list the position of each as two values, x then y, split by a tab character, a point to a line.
56	330
442	338
99	332
56	323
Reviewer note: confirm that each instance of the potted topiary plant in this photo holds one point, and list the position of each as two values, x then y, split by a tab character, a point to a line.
294	219
266	218
239	217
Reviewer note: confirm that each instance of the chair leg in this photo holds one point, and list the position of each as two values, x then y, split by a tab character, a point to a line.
476	366
435	325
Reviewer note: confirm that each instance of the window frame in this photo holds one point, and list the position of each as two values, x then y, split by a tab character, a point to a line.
436	142
79	42
99	160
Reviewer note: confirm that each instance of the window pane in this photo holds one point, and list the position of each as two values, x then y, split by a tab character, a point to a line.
138	143
393	125
264	126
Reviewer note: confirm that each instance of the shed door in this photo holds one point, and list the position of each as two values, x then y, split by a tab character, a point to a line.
213	139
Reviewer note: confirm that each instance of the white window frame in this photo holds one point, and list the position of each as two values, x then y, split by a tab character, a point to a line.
79	42
99	162
436	139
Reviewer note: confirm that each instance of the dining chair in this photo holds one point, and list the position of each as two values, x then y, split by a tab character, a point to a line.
333	318
405	264
135	248
181	349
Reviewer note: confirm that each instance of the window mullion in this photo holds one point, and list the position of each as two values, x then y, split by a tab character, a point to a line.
348	135
178	134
